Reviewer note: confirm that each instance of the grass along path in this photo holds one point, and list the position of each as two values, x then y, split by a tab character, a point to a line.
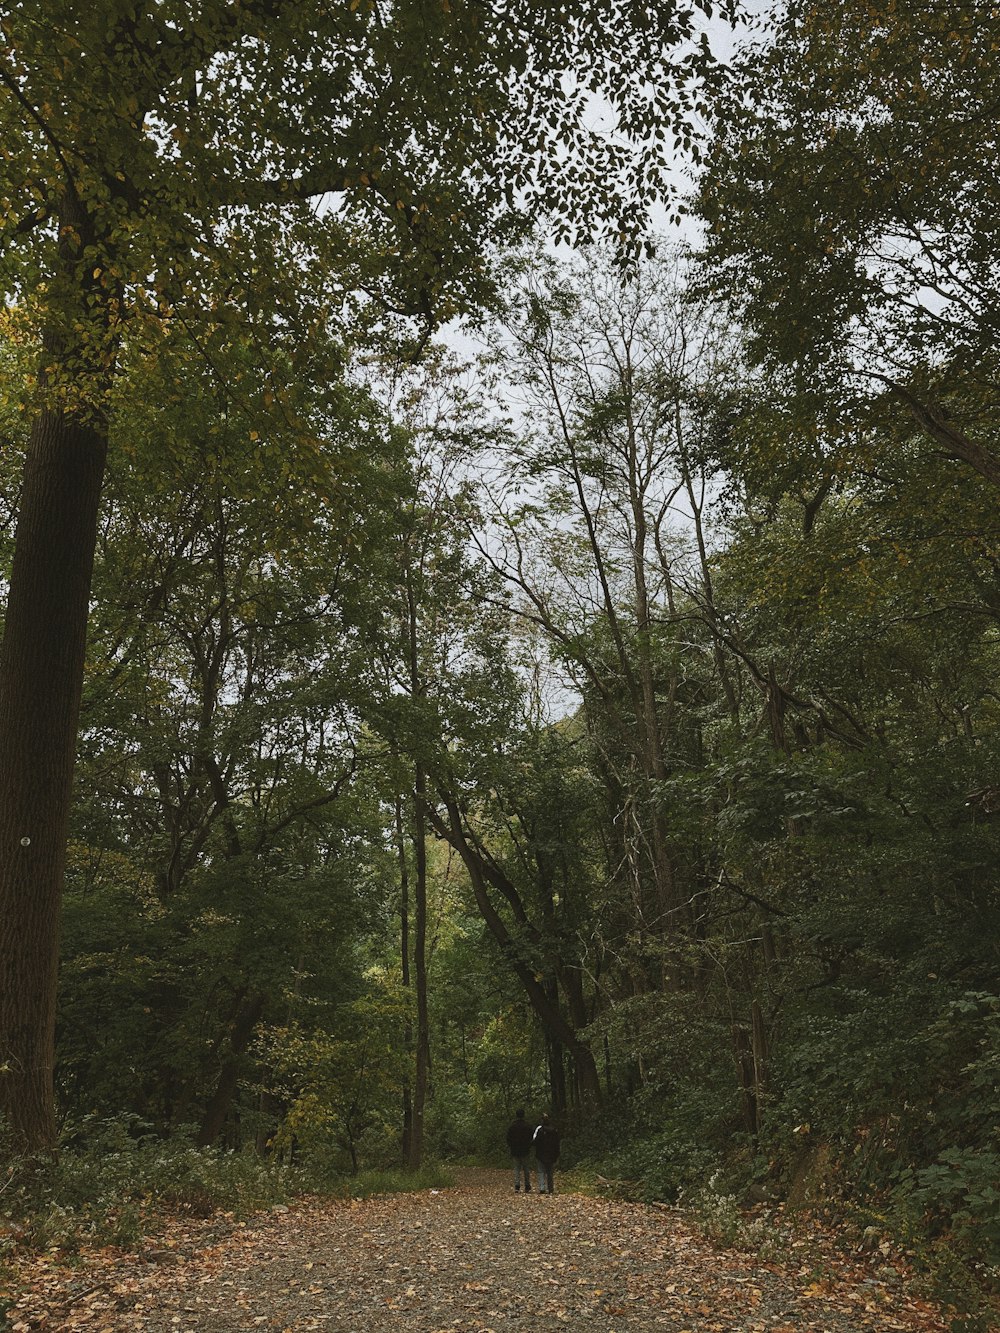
474	1258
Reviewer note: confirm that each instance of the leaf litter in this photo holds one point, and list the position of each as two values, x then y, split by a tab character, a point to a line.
476	1258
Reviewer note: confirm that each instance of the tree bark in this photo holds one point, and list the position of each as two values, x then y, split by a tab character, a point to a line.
743	1057
247	1018
557	1075
41	681
421	1075
934	422
404	957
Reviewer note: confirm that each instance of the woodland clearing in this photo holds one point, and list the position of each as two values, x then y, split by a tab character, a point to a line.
475	1258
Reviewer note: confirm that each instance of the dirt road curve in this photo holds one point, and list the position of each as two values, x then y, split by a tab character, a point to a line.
473	1259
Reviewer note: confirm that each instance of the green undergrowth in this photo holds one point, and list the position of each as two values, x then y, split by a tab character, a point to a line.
394	1180
938	1221
114	1183
111	1183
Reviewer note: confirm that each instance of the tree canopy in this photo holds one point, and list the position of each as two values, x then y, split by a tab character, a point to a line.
602	721
163	164
850	207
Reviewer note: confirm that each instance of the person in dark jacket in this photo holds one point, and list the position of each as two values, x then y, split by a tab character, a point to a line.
546	1140
519	1143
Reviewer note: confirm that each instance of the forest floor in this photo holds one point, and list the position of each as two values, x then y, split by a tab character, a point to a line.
474	1258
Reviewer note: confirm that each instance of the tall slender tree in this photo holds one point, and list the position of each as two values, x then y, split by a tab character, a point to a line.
601	534
145	140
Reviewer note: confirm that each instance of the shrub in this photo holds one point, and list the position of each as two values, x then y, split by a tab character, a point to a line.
111	1178
396	1180
662	1166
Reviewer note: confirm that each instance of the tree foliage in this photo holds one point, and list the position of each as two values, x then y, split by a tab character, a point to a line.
160	162
607	727
850	207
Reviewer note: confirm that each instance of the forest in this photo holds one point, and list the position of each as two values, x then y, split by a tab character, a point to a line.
501	558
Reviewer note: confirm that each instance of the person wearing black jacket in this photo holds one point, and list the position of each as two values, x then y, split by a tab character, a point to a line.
519	1143
546	1141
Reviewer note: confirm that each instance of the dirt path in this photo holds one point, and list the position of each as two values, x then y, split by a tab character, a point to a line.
472	1259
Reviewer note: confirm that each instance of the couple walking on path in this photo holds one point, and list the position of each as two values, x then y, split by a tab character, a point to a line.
545	1140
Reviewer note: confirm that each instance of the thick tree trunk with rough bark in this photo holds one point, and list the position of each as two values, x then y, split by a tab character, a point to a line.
41	677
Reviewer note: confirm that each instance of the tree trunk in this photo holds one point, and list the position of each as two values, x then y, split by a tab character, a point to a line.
935	422
269	1110
743	1056
41	680
557	1076
760	1048
404	958
242	1030
422	1069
